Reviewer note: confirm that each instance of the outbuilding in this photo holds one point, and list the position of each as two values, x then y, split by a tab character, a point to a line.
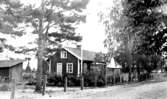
11	69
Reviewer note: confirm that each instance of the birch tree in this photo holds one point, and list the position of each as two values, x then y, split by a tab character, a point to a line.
137	27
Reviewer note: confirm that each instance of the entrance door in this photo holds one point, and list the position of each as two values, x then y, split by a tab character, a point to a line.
59	69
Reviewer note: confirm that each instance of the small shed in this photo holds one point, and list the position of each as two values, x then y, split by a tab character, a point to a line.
11	69
113	69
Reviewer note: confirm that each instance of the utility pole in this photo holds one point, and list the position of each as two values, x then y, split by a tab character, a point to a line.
82	78
105	75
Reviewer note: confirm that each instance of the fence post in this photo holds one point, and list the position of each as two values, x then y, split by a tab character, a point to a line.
82	82
44	84
114	78
106	80
120	78
106	75
65	84
13	89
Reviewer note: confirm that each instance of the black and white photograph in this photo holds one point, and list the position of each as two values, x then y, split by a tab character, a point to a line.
83	49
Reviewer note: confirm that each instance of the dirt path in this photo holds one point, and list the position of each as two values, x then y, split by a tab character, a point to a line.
146	91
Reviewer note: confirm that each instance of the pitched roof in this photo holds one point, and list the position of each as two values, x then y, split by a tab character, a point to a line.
113	64
87	55
28	69
9	63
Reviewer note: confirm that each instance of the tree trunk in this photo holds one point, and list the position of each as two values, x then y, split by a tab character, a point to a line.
41	47
129	78
39	69
138	72
129	54
44	84
130	68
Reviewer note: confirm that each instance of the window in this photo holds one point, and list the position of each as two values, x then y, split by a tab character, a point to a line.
59	68
49	64
63	54
69	67
1	49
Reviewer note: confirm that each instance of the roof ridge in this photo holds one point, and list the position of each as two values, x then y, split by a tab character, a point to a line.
12	60
82	49
9	63
87	55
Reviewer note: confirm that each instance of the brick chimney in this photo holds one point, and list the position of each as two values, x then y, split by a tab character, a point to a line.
60	46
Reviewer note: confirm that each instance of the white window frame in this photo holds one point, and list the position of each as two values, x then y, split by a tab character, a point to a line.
50	66
57	67
63	54
68	67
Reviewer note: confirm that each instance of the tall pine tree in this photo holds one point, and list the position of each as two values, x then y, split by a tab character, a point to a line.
54	21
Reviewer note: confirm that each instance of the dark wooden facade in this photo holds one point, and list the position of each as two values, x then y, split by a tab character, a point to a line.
4	74
72	57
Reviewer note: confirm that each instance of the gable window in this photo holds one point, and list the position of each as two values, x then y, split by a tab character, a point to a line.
69	68
63	54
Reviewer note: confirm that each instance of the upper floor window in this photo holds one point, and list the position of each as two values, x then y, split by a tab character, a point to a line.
1	49
63	54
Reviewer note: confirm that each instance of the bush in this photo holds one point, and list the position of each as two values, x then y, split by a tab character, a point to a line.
89	80
4	87
93	79
31	82
55	80
27	76
101	81
59	80
73	81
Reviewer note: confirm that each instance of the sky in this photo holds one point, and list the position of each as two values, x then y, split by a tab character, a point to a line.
92	31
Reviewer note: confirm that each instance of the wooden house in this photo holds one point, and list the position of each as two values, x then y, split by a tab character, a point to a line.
11	69
67	61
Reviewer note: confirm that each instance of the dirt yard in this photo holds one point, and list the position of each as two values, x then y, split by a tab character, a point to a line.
154	89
